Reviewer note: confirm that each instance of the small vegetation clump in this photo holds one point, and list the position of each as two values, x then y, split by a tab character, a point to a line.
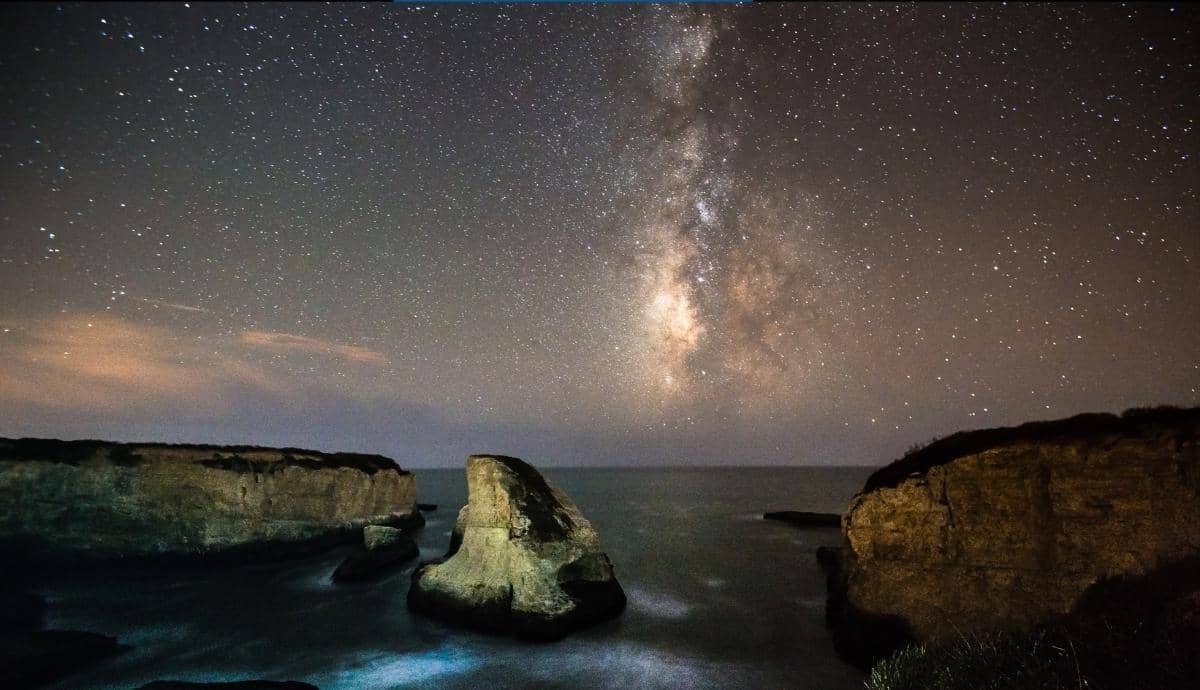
1139	632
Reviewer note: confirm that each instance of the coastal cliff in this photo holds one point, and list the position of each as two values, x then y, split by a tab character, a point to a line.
1009	528
96	499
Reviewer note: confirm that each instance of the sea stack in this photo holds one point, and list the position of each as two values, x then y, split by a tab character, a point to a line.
1009	528
522	559
101	500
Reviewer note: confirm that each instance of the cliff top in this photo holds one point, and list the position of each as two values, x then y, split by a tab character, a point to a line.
1134	422
225	457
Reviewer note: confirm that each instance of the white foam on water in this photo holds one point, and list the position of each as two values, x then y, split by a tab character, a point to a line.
313	580
389	670
629	665
656	604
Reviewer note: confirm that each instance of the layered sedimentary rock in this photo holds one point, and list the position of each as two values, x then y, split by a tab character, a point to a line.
522	559
99	499
1005	528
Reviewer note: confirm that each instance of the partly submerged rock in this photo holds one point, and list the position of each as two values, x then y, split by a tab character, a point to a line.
233	685
383	549
375	536
426	507
101	500
801	518
20	611
522	559
31	657
1009	528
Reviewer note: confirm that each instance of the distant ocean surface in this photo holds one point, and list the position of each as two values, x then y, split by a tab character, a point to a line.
718	597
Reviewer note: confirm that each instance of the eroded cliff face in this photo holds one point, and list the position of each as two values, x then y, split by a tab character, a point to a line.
1007	528
99	499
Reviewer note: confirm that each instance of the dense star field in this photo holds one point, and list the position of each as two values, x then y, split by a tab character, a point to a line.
796	234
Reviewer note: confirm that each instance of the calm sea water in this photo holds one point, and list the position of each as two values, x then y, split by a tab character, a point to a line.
718	597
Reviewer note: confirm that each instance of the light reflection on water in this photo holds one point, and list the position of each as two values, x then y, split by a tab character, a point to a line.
718	597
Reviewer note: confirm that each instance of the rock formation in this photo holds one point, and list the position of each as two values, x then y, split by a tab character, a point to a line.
104	500
383	549
379	536
522	559
1006	528
230	685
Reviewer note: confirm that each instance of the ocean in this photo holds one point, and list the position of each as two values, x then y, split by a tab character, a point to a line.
718	598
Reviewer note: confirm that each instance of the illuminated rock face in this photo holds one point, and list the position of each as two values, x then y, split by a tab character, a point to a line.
99	499
522	559
1009	527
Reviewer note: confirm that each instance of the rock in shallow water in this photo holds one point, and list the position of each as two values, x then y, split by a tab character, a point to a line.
805	519
383	548
32	659
522	559
235	685
375	536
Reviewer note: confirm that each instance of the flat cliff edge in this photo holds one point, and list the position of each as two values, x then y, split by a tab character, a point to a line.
99	499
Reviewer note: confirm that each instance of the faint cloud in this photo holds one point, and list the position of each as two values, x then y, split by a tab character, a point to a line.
106	362
287	342
171	305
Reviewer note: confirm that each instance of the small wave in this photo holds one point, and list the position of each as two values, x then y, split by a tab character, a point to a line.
385	670
656	604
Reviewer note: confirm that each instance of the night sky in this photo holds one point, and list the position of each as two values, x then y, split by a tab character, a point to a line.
594	235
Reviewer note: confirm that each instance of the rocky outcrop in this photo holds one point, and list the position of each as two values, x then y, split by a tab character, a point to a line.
34	659
383	549
802	518
1007	528
102	500
522	559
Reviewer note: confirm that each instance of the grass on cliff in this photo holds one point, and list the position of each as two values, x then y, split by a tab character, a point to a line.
996	661
1138	632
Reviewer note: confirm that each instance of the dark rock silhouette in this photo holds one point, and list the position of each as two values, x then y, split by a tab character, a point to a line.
31	657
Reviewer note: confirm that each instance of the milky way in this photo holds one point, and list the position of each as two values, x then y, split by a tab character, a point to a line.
594	235
737	285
